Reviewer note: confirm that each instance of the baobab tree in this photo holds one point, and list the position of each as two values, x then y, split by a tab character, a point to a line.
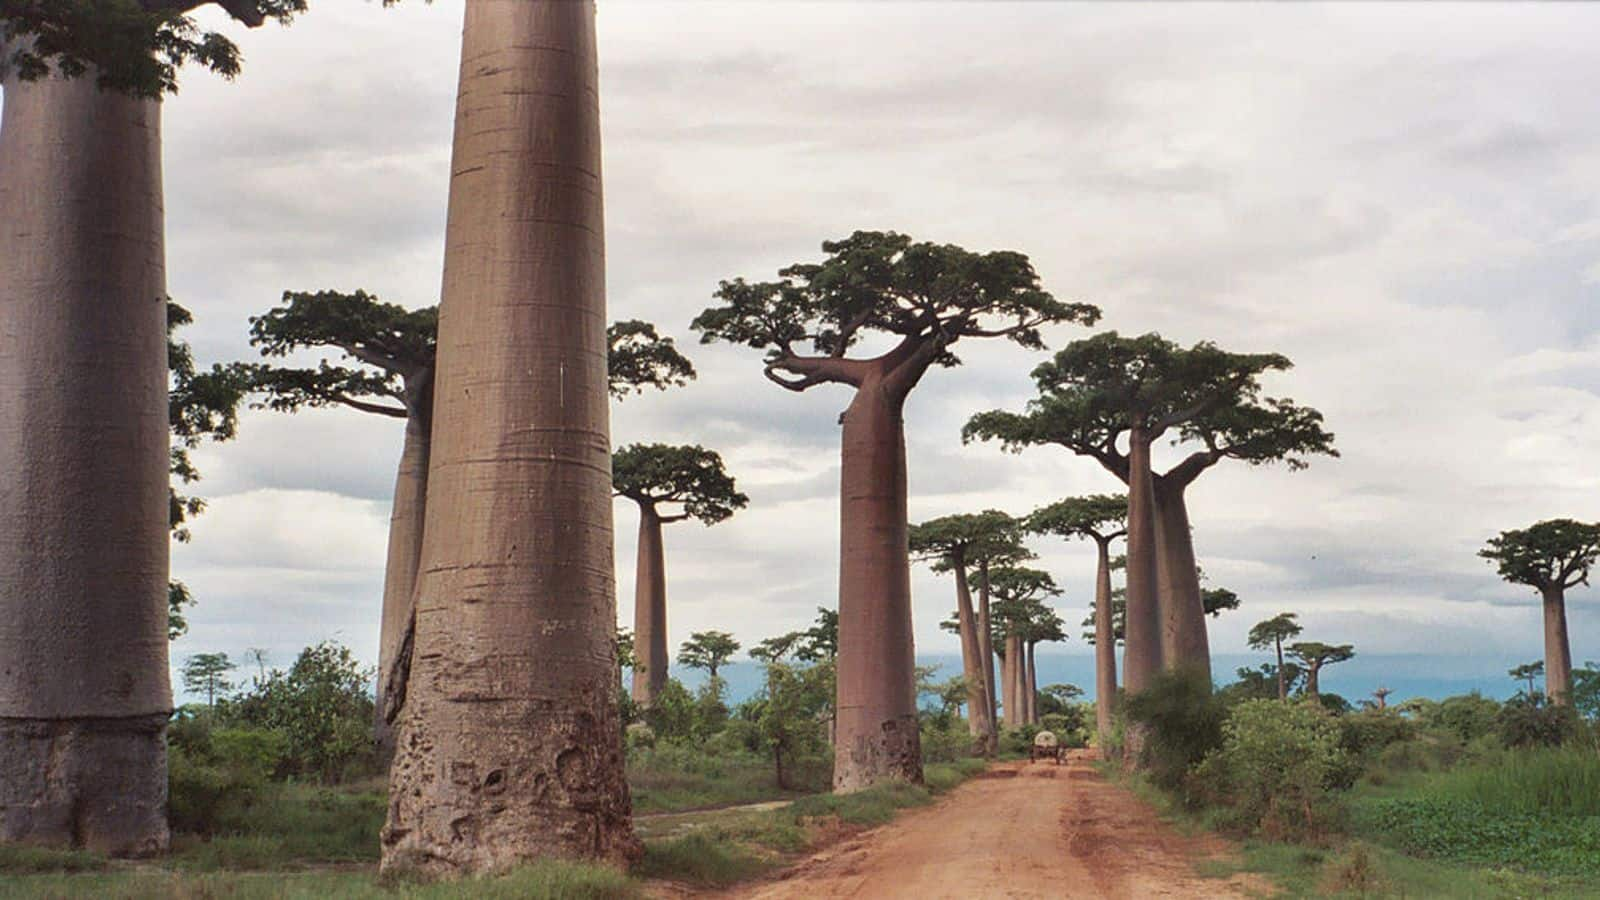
1019	594
1549	556
669	484
1313	655
1269	634
1044	627
1099	389
386	356
85	692
1100	518
1527	672
927	297
952	544
509	745
708	650
1381	695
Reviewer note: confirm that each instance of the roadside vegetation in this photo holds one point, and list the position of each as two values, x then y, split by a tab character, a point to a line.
1466	797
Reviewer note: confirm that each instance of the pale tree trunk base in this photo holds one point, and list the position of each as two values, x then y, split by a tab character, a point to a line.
892	751
91	784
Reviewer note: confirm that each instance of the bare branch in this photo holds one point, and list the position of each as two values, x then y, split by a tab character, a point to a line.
398	412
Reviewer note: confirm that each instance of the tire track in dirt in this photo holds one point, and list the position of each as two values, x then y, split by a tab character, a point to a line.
1022	830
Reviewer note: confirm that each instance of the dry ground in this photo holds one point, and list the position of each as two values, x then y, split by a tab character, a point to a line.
1021	830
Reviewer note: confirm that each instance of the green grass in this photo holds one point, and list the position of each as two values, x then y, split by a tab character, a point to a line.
1360	869
290	824
675	779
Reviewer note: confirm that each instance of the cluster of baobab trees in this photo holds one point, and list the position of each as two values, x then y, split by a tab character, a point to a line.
498	623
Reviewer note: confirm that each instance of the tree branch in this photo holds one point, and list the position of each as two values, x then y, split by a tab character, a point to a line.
388	364
814	370
398	412
246	11
1183	474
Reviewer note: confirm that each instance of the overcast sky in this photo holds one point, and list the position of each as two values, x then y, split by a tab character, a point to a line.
1401	199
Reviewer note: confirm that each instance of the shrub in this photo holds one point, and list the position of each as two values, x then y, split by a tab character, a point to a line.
1274	766
323	709
947	743
1366	734
208	799
1466	716
1183	720
1529	721
1017	741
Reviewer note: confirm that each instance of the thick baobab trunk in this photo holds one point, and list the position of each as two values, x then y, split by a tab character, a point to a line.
1105	647
84	690
1184	643
986	650
649	611
877	736
1012	703
1312	671
972	666
395	632
509	746
1557	649
1142	625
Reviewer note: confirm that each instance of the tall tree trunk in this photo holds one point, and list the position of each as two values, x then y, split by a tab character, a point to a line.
650	611
978	723
1105	647
1142	624
84	690
510	745
1012	663
878	738
1312	688
406	516
1557	649
1030	692
986	645
1283	682
1184	644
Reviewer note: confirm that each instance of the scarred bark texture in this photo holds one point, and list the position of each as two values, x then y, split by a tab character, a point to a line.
978	722
1142	628
1184	642
1105	646
406	517
509	746
1557	648
650	610
877	731
84	690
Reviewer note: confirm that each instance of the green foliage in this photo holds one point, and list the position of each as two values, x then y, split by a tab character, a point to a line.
1529	720
1586	691
1183	720
672	715
928	294
1466	716
1274	765
206	673
20	859
1474	832
1099	516
692	478
637	357
700	858
322	708
792	708
133	46
818	643
707	650
1368	733
969	539
1556	553
1071	726
1270	634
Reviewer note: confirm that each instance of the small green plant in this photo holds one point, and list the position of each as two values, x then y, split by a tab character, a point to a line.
1183	722
1274	767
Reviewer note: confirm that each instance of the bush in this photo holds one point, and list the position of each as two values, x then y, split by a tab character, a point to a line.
1274	766
1529	721
1017	741
1183	722
1072	730
1466	716
208	799
1366	734
947	743
323	709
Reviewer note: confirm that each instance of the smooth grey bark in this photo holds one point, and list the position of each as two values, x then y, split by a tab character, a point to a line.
407	515
1142	624
650	610
509	743
979	725
986	650
1557	647
84	689
878	737
1184	641
1105	646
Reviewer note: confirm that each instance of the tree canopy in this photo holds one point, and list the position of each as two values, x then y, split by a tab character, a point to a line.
1553	554
1098	516
134	46
819	643
967	539
1095	389
1314	654
1269	633
1018	609
928	295
382	346
689	477
708	650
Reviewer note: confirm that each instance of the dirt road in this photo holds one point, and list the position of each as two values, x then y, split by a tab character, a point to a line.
1022	830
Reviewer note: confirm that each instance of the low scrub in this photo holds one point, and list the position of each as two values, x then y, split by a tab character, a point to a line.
1274	769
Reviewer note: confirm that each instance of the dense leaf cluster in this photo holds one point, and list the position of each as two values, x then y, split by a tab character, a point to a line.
689	477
